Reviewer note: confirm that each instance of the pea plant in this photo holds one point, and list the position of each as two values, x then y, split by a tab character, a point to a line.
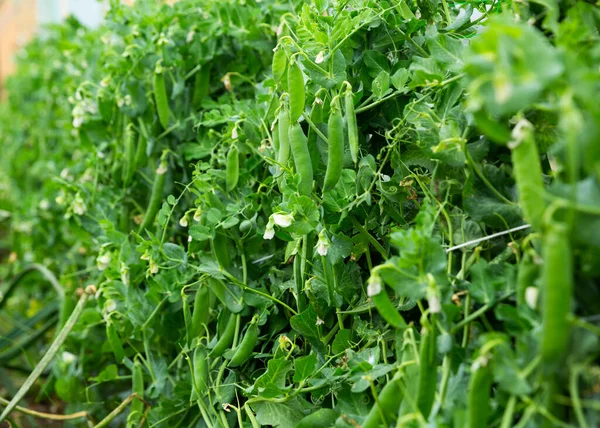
305	214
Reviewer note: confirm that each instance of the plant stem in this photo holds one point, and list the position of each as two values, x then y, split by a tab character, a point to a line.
47	358
43	415
112	415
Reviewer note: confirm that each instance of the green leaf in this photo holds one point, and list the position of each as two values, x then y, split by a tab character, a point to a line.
272	383
376	63
199	232
445	49
509	65
284	415
399	78
175	252
304	367
305	323
341	341
381	84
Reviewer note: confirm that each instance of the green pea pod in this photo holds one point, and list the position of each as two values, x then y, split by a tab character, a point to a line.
352	126
116	171
201	365
335	135
296	91
201	311
387	310
275	137
301	156
187	317
316	116
284	140
322	418
279	63
427	370
557	280
232	173
201	85
245	348
129	153
411	374
162	102
140	151
245	226
137	387
526	276
387	405
480	386
115	342
299	267
218	289
226	338
155	199
528	175
220	250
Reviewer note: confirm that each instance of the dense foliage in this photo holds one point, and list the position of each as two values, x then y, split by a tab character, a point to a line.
287	214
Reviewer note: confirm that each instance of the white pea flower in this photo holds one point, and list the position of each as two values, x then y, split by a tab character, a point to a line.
145	256
77	121
385	178
519	133
234	133
531	297
60	199
481	361
319	321
79	207
279	30
320	57
124	271
374	285
227	82
24	227
68	358
110	306
103	260
183	221
198	214
162	168
88	176
44	204
105	82
163	40
190	238
283	220
190	36
323	243
503	89
153	267
434	304
269	231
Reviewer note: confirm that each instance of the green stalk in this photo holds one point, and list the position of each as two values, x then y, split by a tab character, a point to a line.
47	358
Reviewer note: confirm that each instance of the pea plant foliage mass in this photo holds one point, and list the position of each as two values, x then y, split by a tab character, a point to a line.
304	214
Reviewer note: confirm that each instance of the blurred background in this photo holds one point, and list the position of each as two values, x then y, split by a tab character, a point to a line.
20	20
